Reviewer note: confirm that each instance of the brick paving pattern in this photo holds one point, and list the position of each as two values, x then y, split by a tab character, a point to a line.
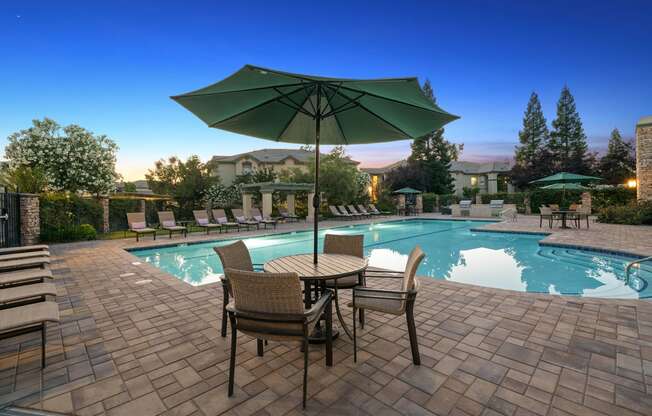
136	341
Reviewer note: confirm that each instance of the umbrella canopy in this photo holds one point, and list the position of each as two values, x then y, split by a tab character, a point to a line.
565	177
566	186
407	190
306	109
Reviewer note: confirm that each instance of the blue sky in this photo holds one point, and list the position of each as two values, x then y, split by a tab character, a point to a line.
111	66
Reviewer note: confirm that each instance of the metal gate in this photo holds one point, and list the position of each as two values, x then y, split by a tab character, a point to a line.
9	219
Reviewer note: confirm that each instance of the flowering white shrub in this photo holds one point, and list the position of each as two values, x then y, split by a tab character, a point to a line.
73	161
222	196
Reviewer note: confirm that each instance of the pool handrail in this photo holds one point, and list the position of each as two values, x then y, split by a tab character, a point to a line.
632	264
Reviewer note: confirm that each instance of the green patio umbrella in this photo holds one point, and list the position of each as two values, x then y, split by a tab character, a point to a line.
563	187
306	109
407	190
565	177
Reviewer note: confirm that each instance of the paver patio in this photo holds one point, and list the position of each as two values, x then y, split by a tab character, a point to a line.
136	341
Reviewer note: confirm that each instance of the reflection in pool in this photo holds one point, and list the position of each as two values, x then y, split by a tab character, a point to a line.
453	252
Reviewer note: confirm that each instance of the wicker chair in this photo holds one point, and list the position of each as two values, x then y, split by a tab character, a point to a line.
233	256
394	302
351	245
269	306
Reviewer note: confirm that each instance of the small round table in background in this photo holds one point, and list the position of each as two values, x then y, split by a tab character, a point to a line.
330	266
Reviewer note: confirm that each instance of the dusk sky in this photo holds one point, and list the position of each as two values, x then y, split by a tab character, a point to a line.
111	67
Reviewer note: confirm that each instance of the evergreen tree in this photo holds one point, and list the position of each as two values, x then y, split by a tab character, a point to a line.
532	156
567	141
433	154
619	163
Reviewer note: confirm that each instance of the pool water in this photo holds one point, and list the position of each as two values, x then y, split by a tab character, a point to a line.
453	252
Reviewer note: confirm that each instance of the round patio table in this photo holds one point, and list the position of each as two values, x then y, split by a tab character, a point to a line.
564	215
314	276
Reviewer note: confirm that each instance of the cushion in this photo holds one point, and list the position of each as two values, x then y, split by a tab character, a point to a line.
169	223
138	225
202	221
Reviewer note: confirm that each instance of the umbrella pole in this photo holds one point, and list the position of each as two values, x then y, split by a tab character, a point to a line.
316	200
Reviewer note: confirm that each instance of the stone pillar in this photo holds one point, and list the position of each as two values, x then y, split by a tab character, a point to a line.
528	207
246	204
586	201
267	204
106	226
478	198
419	203
401	201
143	205
30	220
437	207
492	186
311	209
290	201
644	159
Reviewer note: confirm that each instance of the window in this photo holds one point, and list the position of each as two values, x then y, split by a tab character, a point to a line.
247	167
474	181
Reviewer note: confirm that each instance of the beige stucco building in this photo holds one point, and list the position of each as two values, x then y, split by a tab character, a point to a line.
229	167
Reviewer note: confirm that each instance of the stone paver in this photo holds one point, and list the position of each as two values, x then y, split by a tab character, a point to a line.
136	341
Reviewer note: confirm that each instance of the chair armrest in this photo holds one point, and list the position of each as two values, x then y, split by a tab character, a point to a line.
384	274
319	306
258	266
365	292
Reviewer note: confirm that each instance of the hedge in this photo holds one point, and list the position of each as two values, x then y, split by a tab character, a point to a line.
609	197
429	202
633	213
68	217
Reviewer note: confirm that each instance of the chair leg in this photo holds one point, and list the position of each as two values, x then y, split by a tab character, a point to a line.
43	345
305	370
361	281
225	301
232	361
355	341
412	332
259	345
329	334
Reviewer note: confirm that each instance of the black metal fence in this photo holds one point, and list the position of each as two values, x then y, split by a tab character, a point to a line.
9	219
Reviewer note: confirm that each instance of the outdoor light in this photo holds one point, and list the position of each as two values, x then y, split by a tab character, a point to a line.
631	183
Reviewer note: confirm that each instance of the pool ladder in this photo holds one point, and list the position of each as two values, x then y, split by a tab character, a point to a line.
632	264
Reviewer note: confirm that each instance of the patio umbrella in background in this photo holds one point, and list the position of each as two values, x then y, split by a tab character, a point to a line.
306	109
565	177
563	186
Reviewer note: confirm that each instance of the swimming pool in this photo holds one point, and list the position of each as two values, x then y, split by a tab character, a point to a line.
454	251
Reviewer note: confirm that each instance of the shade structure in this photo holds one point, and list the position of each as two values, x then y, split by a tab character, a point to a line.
565	177
314	110
566	186
407	190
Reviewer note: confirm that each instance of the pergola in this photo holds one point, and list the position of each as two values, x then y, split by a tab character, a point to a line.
268	188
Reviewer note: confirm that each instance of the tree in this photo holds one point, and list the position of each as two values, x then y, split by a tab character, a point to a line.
185	181
130	187
433	154
619	163
567	141
532	156
72	159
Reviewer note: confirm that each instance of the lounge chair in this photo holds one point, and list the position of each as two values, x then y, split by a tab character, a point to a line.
372	208
242	221
202	220
350	245
27	263
25	276
337	214
219	215
393	302
354	211
29	318
465	208
169	224
24	249
24	294
257	216
362	209
24	255
496	206
285	215
269	306
233	256
138	224
344	211
509	214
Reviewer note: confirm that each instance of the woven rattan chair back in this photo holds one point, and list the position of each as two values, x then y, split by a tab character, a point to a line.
351	245
235	256
273	293
409	276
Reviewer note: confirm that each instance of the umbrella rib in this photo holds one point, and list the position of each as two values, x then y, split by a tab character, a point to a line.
252	108
339	126
349	101
296	106
385	121
440	111
292	118
175	97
